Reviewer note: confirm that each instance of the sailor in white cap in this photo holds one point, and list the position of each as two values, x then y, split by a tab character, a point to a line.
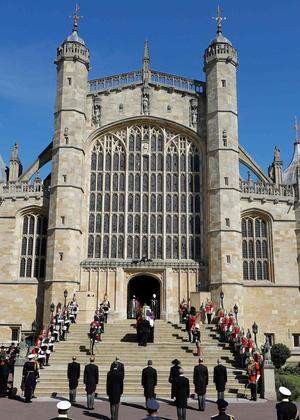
63	407
286	410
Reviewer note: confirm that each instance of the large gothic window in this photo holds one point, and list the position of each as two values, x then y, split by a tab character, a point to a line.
33	246
146	193
255	248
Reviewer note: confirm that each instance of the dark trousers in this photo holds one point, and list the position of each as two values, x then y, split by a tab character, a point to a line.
189	335
181	413
253	389
201	402
114	411
209	318
72	395
3	384
220	395
90	400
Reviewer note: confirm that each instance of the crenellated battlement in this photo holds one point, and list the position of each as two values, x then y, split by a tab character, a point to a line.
73	50
22	188
220	50
251	188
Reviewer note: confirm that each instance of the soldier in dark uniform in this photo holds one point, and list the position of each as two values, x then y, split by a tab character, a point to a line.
286	410
73	377
30	375
120	367
144	330
149	381
154	307
182	393
222	405
200	382
174	374
114	389
220	379
91	379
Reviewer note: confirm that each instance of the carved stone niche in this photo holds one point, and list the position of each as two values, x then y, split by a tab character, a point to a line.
96	114
193	112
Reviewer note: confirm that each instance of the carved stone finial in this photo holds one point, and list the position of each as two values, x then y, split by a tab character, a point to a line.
76	18
297	130
145	103
276	154
15	152
219	19
146	63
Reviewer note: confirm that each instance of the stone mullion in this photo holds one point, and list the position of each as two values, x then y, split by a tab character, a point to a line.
110	234
164	170
102	199
187	201
126	195
34	236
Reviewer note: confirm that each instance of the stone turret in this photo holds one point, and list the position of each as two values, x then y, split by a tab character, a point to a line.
67	189
15	165
220	66
275	170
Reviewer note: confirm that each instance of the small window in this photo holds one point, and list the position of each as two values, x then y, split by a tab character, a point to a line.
228	259
224	138
271	338
65	178
296	338
226	180
121	107
62	220
15	332
227	221
61	256
169	108
70	81
223	81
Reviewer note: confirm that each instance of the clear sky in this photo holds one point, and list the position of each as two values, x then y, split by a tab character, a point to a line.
266	34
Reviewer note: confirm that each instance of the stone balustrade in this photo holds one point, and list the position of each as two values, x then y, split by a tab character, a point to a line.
156	78
23	187
259	188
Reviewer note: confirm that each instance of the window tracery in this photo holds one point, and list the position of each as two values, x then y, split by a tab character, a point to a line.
33	246
255	248
140	197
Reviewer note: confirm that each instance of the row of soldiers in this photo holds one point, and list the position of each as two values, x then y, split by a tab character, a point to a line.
39	354
8	357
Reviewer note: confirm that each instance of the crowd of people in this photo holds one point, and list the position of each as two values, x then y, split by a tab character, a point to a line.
8	357
38	355
97	324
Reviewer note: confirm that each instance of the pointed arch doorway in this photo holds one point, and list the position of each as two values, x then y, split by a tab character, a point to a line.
143	286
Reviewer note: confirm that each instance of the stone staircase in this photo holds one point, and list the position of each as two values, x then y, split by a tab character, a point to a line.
119	340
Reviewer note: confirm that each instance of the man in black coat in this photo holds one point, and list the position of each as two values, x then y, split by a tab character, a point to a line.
220	379
144	330
200	382
91	379
286	410
174	375
120	367
149	381
182	393
114	390
73	377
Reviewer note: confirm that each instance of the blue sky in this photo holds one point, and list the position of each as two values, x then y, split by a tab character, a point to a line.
266	34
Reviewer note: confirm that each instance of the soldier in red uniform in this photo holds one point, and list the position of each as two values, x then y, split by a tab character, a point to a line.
253	376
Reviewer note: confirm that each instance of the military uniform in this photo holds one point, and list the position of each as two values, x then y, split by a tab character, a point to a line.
222	416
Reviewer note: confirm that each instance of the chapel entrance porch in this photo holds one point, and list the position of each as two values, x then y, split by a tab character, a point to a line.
143	287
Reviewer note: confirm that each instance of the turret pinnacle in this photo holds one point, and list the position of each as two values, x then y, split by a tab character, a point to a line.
76	18
146	57
219	19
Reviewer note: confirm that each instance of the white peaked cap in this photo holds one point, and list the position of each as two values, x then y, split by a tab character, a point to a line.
63	405
31	356
285	391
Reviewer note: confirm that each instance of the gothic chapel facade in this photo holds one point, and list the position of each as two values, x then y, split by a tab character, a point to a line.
145	195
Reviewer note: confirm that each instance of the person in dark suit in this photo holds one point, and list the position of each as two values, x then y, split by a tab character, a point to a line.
149	381
286	410
174	374
144	331
222	405
73	377
91	379
182	393
220	379
120	366
114	389
200	382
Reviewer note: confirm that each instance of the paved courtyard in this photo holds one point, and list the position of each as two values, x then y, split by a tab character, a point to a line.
243	410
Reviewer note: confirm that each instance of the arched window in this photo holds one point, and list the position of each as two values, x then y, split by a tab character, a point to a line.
255	248
144	199
33	246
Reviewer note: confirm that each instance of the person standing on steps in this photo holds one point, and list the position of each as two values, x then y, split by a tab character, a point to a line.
114	389
154	306
182	393
149	381
220	379
73	377
30	375
120	367
91	379
200	382
174	375
106	307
